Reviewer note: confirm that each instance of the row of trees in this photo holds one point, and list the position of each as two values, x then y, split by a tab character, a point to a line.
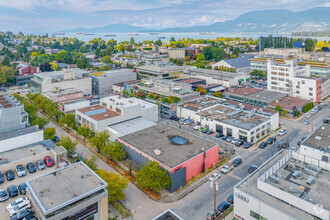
308	107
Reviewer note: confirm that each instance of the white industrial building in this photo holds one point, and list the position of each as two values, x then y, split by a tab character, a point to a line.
288	186
71	106
116	109
237	120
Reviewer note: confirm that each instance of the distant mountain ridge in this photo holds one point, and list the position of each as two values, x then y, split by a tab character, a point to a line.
265	21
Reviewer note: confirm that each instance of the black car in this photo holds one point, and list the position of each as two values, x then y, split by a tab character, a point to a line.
30	217
2	179
282	145
247	145
224	138
218	135
22	214
172	117
237	162
31	168
10	175
271	140
223	206
56	139
22	188
326	121
239	143
12	191
230	199
263	144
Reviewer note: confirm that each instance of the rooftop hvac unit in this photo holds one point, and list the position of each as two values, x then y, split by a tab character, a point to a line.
311	180
292	167
311	172
296	174
273	179
314	168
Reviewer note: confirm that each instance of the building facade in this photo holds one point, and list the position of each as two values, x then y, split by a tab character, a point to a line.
160	71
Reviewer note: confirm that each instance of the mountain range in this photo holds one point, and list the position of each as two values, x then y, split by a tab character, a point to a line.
265	21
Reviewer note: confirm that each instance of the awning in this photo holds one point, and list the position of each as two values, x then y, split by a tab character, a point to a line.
240	80
248	79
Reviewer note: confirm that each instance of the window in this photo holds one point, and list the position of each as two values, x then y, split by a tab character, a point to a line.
104	104
118	110
310	89
310	94
303	82
256	215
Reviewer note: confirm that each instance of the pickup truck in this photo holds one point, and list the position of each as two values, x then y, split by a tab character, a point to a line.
226	168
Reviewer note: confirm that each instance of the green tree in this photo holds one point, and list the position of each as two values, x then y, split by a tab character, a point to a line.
278	108
106	59
85	131
153	177
41	122
100	140
92	162
68	120
158	42
201	90
116	184
114	151
131	41
179	62
218	94
68	144
172	39
200	57
6	61
82	63
49	133
62	56
284	112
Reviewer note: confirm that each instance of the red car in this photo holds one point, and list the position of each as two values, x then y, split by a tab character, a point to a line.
48	161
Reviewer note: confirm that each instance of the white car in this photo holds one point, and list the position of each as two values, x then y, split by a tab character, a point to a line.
20	207
226	168
214	176
234	140
292	149
308	115
15	203
197	127
282	132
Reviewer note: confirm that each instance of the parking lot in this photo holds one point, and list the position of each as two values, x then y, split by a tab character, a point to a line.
3	212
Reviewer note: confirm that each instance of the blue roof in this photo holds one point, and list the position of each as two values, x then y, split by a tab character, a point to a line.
95	112
241	61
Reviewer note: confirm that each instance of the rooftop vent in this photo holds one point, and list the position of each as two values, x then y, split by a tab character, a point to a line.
318	138
158	152
106	115
92	108
178	140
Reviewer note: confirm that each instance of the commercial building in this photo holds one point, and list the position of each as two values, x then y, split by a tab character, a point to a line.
233	119
118	88
181	154
325	88
317	145
12	114
25	73
253	96
195	82
283	52
75	192
291	104
241	63
160	70
71	106
317	68
65	82
288	186
176	53
103	81
115	109
155	58
226	79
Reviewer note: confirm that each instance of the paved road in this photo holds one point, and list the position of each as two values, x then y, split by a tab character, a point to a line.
198	203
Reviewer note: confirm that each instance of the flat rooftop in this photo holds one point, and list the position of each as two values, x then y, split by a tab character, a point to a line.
26	151
289	102
320	139
19	132
112	73
159	138
160	68
243	91
68	185
131	126
126	102
60	73
202	103
266	95
98	112
213	73
249	186
121	84
62	92
190	80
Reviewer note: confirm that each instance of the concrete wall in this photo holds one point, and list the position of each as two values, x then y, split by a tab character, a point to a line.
22	140
11	119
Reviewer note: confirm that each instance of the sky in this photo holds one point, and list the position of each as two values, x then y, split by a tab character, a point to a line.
40	16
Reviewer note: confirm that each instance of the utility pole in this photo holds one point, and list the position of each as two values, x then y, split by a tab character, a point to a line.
312	123
215	186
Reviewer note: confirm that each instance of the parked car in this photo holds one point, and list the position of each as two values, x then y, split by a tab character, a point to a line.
210	214
56	139
263	144
2	178
30	217
41	165
308	115
282	132
224	138
16	202
230	198
234	140
292	148
22	188
20	207
209	132
20	171
239	143
271	140
197	127
202	129
23	215
318	107
214	176
219	135
299	143
205	131
326	121
252	169
247	145
226	168
186	122
236	162
10	175
306	122
229	139
3	195
12	191
282	145
49	161
31	168
223	206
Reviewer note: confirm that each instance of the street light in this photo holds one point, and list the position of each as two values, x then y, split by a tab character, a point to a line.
215	186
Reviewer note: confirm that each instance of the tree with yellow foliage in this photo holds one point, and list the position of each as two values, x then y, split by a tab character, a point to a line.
54	65
34	54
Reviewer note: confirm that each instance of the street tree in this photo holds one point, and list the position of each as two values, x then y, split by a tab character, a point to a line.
68	144
92	162
152	177
69	120
116	184
100	140
41	122
114	151
278	108
85	131
49	133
